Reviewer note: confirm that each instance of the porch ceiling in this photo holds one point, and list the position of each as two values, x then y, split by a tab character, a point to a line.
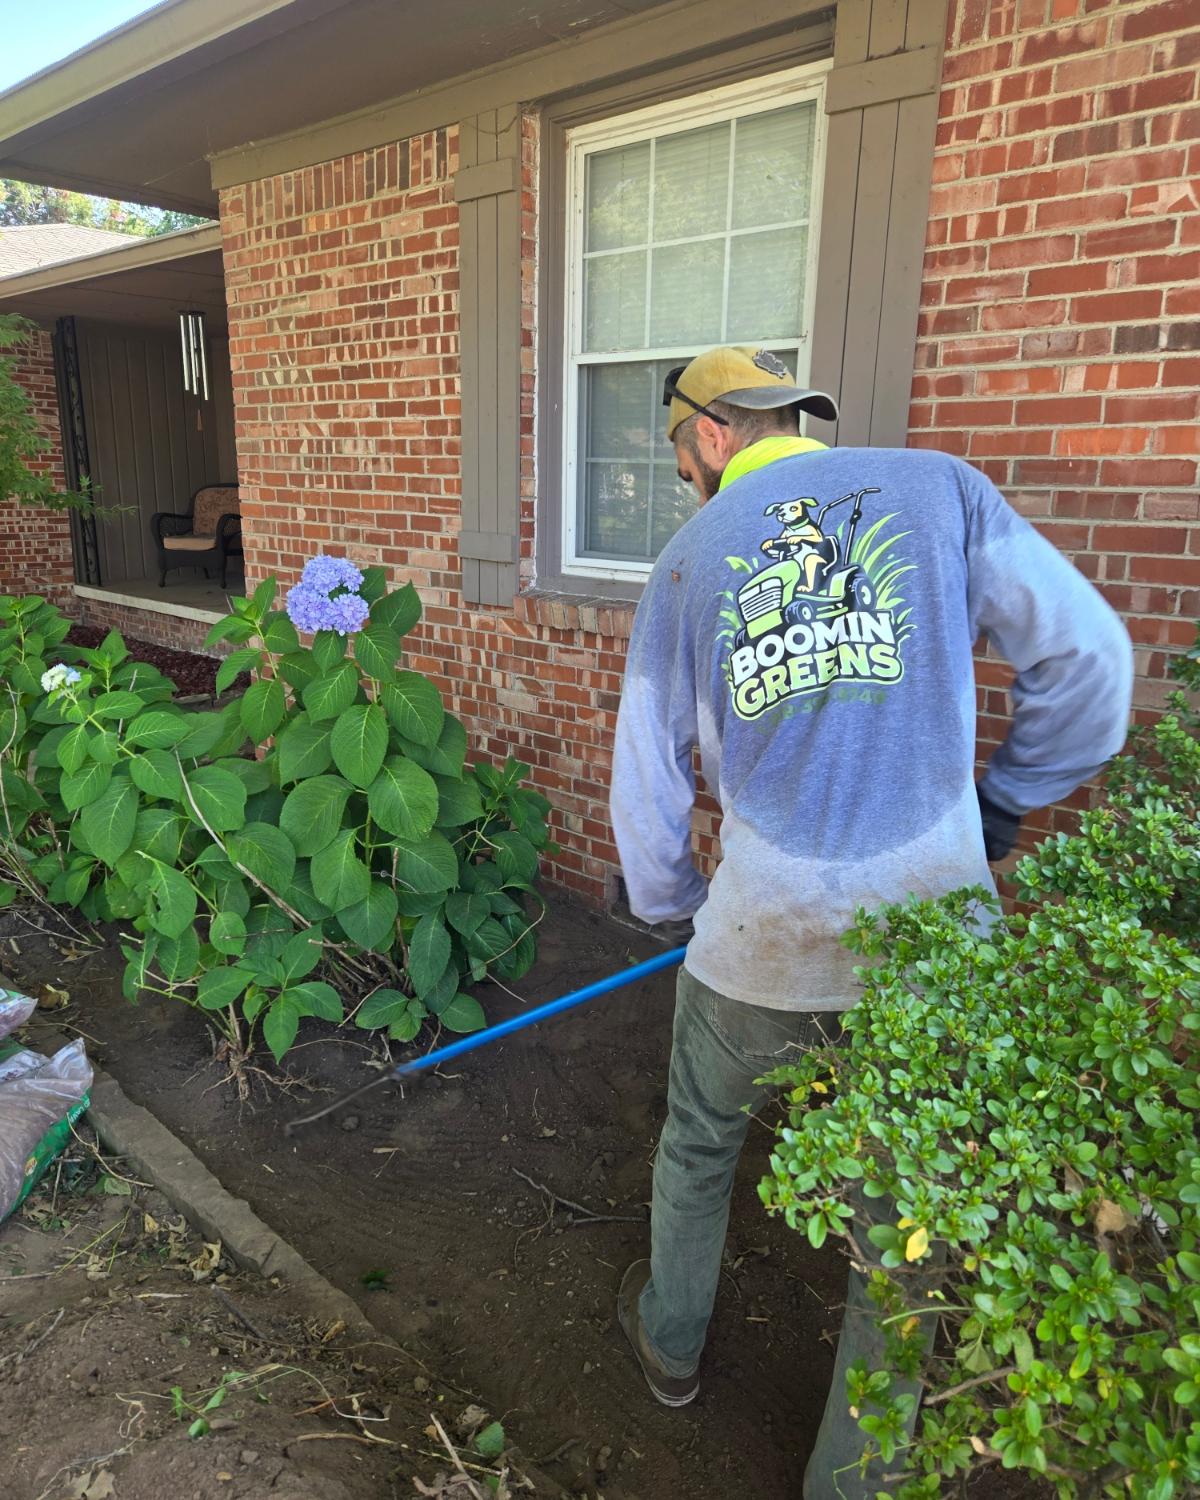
138	113
147	284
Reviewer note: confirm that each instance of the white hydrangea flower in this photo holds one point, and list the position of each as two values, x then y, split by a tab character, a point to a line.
58	676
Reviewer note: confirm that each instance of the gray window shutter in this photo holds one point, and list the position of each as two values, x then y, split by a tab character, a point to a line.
488	190
882	99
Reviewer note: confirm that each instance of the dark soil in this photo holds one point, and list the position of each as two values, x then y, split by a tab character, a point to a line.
413	1206
476	1276
94	1341
192	675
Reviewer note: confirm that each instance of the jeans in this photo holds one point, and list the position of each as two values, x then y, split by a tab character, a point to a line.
719	1048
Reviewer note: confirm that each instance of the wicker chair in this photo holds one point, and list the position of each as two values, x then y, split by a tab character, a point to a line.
208	533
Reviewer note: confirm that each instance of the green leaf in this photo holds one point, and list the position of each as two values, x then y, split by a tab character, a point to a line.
312	812
428	954
255	775
425	865
267	853
159	833
447	756
263	597
158	729
202	733
516	858
104	747
302	952
406	1025
339	877
465	912
221	987
374	584
381	1009
279	1026
437	999
403	799
179	957
231	628
316	998
303	749
280	635
489	940
262	708
489	1443
84	786
235	664
227	932
372	923
171	903
459	802
72	749
375	650
119	705
298	669
332	693
156	773
219	797
414	706
328	648
107	824
463	1014
399	610
359	743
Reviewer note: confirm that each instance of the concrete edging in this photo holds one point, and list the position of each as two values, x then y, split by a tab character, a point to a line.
161	1158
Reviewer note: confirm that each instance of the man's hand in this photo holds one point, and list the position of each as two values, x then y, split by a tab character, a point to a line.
1000	828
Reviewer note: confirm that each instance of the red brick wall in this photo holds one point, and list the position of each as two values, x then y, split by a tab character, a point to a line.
342	283
1056	304
148	625
1059	345
35	544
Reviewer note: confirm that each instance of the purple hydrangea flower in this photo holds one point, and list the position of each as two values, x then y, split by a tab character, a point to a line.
324	574
324	597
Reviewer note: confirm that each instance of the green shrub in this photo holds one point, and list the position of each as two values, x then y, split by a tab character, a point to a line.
1027	1096
320	834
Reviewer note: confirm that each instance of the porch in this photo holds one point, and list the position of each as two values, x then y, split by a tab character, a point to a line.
130	428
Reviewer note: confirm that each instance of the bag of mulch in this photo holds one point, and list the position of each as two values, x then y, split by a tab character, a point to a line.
15	1010
40	1099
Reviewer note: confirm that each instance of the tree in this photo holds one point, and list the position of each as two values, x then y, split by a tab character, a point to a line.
23	203
21	440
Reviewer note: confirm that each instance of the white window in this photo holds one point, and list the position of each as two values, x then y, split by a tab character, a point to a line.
691	224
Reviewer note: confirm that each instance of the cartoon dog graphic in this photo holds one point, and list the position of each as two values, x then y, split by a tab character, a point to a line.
802	538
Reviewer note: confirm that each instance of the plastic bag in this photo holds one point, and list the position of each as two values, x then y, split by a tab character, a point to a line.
15	1010
36	1111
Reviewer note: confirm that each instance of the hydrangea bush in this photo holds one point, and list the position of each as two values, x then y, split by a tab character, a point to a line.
1027	1099
319	839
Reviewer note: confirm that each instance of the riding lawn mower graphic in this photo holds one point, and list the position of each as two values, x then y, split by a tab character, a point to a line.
813	578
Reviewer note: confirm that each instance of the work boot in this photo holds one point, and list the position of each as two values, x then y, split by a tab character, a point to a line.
671	1390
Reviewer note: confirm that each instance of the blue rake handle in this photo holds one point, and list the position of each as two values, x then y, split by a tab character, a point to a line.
540	1013
505	1028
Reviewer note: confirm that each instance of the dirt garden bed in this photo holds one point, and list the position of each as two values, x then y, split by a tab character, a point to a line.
135	1363
421	1210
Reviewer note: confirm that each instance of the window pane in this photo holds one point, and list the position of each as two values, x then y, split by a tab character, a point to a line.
766	285
691	179
673	503
685	293
772	174
619	410
614	302
618	197
617	501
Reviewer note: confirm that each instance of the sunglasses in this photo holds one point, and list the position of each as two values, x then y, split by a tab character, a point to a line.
671	390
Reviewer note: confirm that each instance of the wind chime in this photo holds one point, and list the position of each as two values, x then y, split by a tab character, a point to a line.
195	358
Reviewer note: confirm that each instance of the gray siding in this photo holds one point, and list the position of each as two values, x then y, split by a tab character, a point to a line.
488	189
882	102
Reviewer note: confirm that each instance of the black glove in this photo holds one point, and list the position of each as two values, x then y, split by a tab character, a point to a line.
1000	827
675	934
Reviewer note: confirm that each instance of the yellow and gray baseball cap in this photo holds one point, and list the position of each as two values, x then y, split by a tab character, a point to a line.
753	378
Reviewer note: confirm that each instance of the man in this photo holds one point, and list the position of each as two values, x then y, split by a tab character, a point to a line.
830	688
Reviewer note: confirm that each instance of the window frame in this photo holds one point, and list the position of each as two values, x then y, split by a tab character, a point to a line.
757	95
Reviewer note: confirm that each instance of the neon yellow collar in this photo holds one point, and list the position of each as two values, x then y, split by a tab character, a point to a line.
764	452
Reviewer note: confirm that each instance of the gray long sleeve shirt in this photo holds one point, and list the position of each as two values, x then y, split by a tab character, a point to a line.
811	629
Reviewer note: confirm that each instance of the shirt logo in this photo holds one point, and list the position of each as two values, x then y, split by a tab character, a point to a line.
822	606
